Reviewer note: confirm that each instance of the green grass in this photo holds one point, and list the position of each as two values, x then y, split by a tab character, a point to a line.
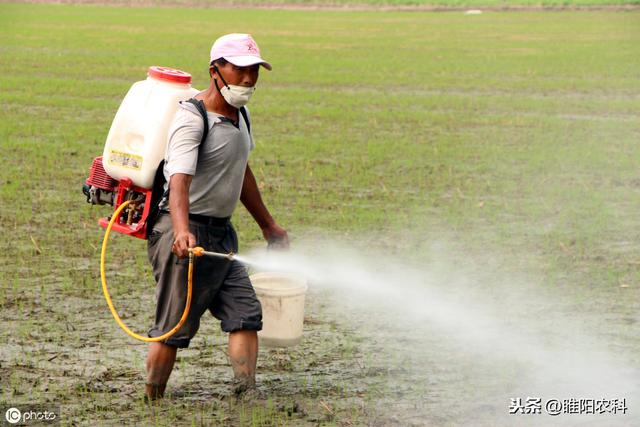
512	135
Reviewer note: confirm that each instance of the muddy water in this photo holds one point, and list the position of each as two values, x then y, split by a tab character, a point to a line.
375	351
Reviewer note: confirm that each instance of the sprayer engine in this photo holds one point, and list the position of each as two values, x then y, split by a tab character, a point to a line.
101	189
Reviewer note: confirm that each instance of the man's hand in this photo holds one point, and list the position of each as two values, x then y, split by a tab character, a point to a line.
252	200
276	236
183	241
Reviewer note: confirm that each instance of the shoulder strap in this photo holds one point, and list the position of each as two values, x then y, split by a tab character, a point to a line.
245	116
203	112
205	132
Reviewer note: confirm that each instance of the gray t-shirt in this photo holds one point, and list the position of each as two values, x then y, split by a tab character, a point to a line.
217	168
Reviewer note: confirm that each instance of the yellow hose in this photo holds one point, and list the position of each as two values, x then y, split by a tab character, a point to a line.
124	327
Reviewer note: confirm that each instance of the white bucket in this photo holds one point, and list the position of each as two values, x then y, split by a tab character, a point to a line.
282	300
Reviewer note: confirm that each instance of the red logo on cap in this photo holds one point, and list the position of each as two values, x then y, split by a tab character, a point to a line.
251	46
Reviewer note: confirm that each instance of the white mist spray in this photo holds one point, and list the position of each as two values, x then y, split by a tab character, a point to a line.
492	319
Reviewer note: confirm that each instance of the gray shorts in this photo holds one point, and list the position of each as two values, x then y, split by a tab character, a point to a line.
219	285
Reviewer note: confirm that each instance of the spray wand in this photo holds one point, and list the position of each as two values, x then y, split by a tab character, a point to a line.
193	252
199	251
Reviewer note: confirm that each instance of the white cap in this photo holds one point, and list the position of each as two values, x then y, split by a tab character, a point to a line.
239	49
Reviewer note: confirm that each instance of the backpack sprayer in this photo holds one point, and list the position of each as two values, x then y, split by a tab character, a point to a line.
129	174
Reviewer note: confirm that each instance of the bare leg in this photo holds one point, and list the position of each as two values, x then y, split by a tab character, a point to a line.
243	354
160	360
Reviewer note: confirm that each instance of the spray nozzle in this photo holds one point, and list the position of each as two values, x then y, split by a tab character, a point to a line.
199	251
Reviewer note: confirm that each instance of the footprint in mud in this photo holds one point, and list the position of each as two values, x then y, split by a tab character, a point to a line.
291	408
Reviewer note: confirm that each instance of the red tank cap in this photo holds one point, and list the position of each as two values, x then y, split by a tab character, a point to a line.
169	74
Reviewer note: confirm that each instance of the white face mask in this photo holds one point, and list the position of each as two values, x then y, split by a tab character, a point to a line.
237	96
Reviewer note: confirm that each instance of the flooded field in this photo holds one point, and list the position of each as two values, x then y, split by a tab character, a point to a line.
460	190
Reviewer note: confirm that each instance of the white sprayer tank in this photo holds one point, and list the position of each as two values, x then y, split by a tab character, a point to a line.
282	300
137	140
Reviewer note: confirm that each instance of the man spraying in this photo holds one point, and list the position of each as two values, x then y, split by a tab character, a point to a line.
205	180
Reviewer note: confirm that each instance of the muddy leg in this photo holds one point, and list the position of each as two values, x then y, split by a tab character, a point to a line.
243	354
160	360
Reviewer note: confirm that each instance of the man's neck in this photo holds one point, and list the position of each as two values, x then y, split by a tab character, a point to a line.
214	102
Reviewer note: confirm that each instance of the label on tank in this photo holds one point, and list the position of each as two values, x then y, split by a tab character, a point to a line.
125	160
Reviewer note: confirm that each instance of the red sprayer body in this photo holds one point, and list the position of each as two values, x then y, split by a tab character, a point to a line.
128	169
101	189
